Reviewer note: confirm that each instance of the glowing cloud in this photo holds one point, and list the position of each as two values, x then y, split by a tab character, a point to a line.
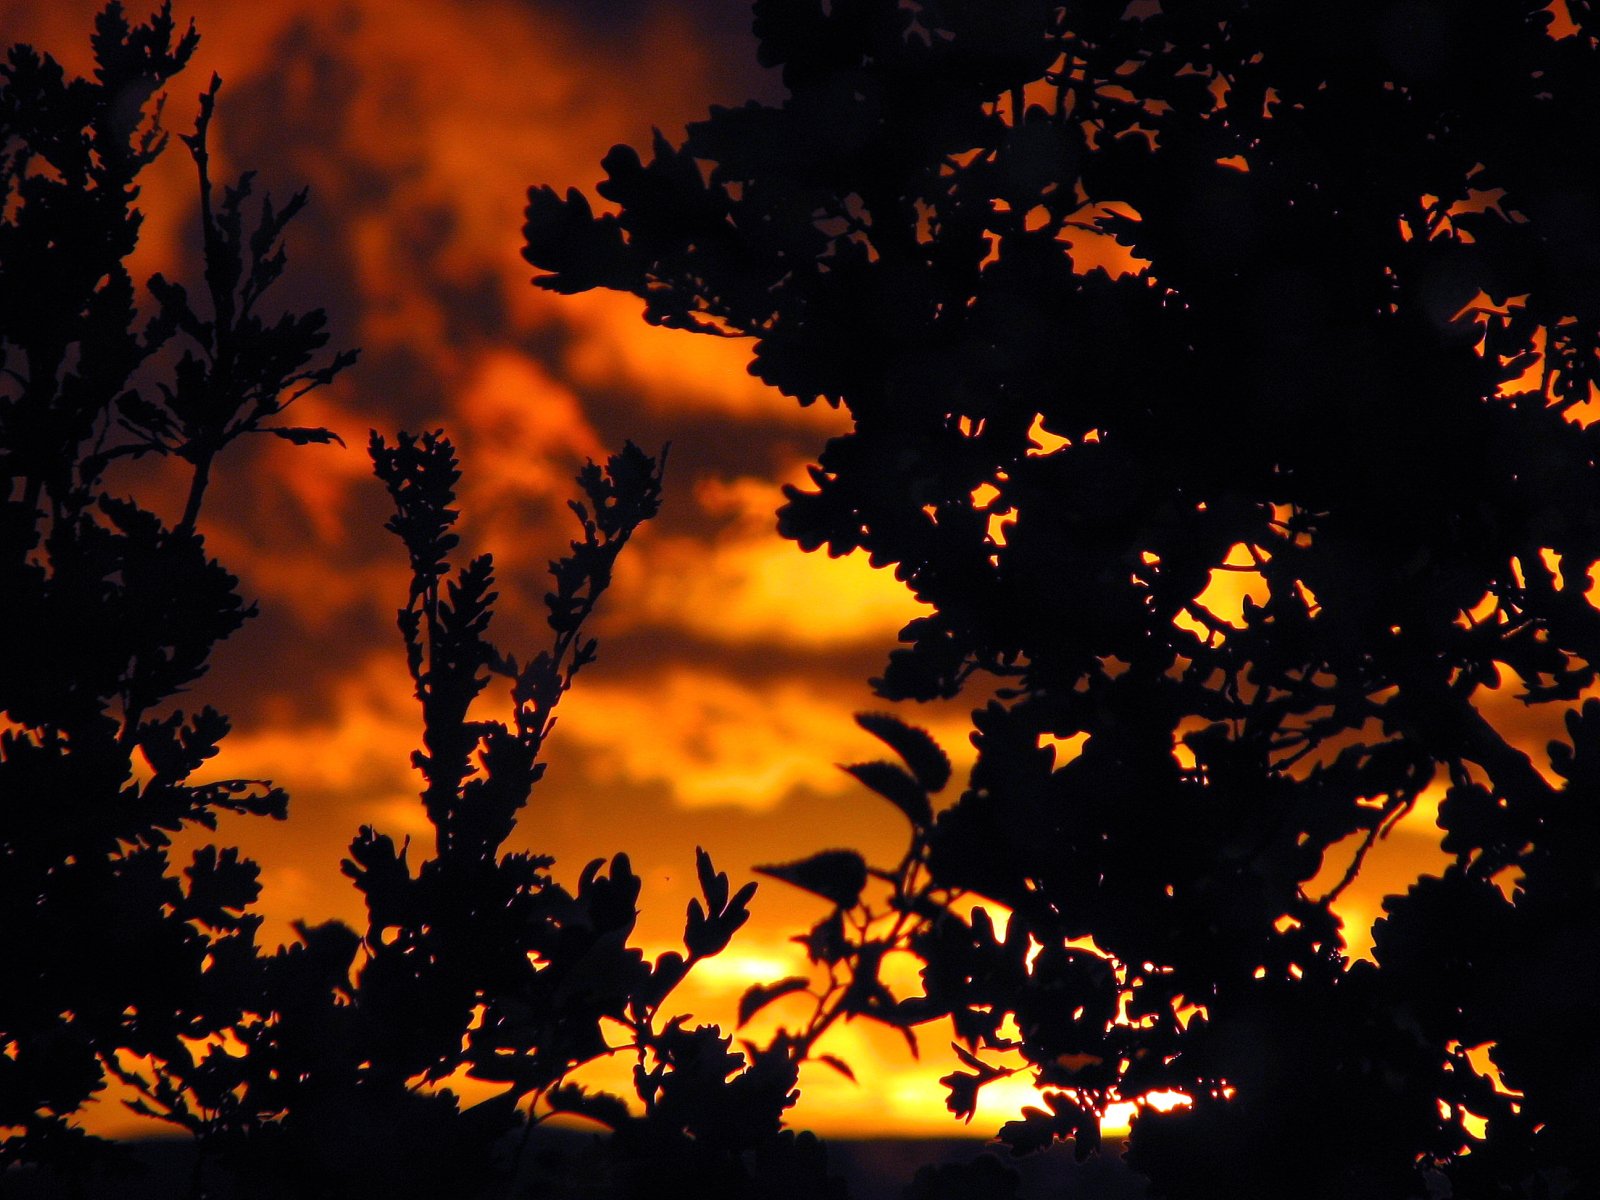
747	585
713	739
612	348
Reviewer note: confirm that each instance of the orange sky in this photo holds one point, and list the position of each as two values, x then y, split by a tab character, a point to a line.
730	661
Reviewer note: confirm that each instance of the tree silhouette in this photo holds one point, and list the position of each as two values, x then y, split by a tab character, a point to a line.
476	963
328	1067
1123	299
109	612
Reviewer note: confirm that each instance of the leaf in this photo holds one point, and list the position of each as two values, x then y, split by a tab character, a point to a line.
218	883
302	436
1035	1131
760	995
836	875
921	753
838	1064
713	884
707	934
910	1036
977	1064
895	786
665	974
825	941
1066	1118
963	1098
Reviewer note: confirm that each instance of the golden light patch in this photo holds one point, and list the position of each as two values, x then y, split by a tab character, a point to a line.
362	741
747	590
1065	748
711	739
1044	442
1529	728
1236	579
612	348
1395	861
747	585
1093	250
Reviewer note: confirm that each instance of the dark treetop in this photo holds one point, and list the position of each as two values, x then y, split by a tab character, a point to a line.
1351	227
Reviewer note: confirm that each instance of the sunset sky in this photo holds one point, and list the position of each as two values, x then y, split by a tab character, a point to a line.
730	662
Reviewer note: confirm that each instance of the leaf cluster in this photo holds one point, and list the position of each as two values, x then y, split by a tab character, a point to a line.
476	966
1126	303
330	1066
111	610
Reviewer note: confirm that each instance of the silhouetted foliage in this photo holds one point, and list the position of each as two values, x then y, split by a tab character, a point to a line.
1123	298
476	963
109	612
329	1067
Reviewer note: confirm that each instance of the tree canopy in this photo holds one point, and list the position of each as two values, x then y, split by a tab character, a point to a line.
1125	301
1123	298
109	612
329	1067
